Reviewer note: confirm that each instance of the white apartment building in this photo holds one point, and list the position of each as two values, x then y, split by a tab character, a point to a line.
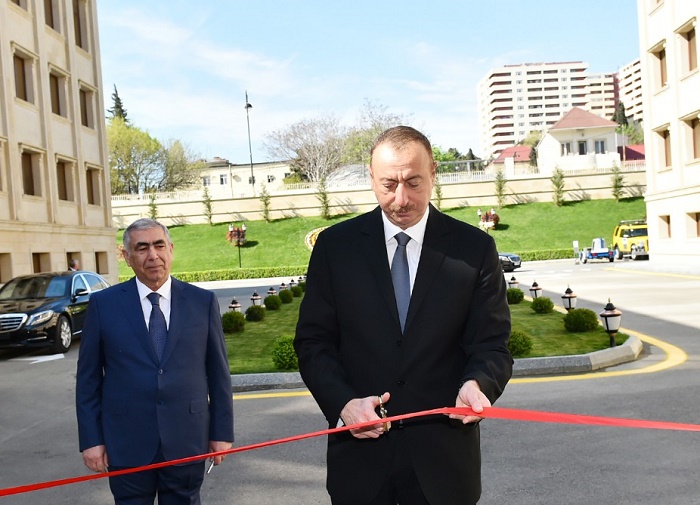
630	85
670	85
516	99
54	177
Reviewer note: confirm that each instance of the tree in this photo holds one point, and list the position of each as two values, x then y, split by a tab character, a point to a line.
314	145
265	200
135	159
618	183
323	199
558	187
181	167
117	109
533	156
620	116
372	121
208	208
437	188
152	206
500	182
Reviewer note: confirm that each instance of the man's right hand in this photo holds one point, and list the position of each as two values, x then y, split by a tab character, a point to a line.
361	410
95	458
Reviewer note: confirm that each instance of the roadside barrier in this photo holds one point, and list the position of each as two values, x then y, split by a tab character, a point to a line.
488	413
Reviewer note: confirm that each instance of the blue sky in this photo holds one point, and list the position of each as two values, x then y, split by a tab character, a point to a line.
182	67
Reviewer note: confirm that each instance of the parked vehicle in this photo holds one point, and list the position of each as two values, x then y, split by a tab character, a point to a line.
597	251
631	240
509	261
46	309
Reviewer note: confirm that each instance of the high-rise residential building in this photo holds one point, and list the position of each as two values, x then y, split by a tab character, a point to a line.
630	84
670	84
54	176
515	100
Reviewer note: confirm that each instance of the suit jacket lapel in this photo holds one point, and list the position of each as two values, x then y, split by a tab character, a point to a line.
131	305
374	250
177	313
433	252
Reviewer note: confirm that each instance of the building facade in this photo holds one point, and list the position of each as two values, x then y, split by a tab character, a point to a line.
54	177
630	86
670	84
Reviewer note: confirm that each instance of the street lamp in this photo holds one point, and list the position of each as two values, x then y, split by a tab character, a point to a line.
250	147
256	298
568	299
611	318
235	305
513	282
535	290
271	291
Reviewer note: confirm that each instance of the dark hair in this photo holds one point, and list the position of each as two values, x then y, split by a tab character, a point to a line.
142	224
398	136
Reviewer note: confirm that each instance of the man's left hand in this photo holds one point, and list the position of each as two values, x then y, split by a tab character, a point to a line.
215	446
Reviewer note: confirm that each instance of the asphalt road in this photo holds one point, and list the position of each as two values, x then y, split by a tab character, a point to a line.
523	463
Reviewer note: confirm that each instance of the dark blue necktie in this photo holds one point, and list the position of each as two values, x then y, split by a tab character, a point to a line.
157	329
401	278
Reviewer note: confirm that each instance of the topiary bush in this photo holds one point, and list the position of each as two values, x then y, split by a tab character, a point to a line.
302	285
255	313
273	302
520	344
580	320
542	305
296	291
233	322
283	354
286	296
514	296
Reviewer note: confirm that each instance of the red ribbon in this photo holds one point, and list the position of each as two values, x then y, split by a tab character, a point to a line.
488	413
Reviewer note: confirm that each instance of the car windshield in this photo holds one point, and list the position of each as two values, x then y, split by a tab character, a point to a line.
34	287
637	232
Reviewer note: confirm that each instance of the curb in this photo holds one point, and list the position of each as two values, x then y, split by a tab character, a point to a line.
624	353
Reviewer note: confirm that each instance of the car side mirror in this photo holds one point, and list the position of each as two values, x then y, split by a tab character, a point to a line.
80	292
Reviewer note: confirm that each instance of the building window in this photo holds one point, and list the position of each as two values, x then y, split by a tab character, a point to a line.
206	181
21	3
665	141
41	262
692	136
57	87
24	84
661	73
92	179
600	147
64	181
87	107
51	14
566	148
689	48
223	179
582	147
101	262
694	225
270	178
664	226
31	173
80	24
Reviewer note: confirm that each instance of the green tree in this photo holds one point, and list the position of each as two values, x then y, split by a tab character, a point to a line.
265	200
618	183
324	199
152	206
558	187
500	183
135	159
208	208
181	167
117	109
533	156
437	188
620	116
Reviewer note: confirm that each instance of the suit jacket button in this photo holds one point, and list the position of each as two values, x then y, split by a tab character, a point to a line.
401	383
160	372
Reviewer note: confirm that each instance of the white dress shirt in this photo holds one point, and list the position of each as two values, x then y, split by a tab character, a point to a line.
165	298
414	246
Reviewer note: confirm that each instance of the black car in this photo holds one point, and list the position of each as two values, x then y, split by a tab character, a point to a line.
509	261
46	309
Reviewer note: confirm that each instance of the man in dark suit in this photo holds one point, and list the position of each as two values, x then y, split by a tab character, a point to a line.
366	339
153	380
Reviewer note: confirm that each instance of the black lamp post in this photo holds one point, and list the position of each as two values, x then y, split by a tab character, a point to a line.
513	282
283	286
611	318
535	290
271	291
235	305
292	283
256	298
568	299
250	147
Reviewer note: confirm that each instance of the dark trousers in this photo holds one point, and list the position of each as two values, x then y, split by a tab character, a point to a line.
402	486
174	485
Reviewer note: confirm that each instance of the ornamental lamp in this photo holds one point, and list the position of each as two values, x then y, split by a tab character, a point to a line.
568	299
235	305
256	298
611	318
513	282
535	290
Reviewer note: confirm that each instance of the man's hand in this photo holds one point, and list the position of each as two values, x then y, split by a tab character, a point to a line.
95	458
361	410
470	395
215	446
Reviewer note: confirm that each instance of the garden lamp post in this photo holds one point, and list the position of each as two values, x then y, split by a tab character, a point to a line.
611	318
513	282
292	283
250	146
568	299
283	286
256	298
271	291
535	290
235	305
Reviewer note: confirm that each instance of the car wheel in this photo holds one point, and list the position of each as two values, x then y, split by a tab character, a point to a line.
618	254
611	259
633	254
585	260
64	335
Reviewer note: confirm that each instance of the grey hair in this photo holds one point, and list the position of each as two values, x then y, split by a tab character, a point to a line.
143	224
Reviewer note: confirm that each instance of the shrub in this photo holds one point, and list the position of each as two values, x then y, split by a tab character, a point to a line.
233	322
515	296
286	296
542	305
296	291
283	355
255	313
273	302
302	285
580	320
520	344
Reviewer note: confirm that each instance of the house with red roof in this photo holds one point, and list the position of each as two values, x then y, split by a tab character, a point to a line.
579	141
